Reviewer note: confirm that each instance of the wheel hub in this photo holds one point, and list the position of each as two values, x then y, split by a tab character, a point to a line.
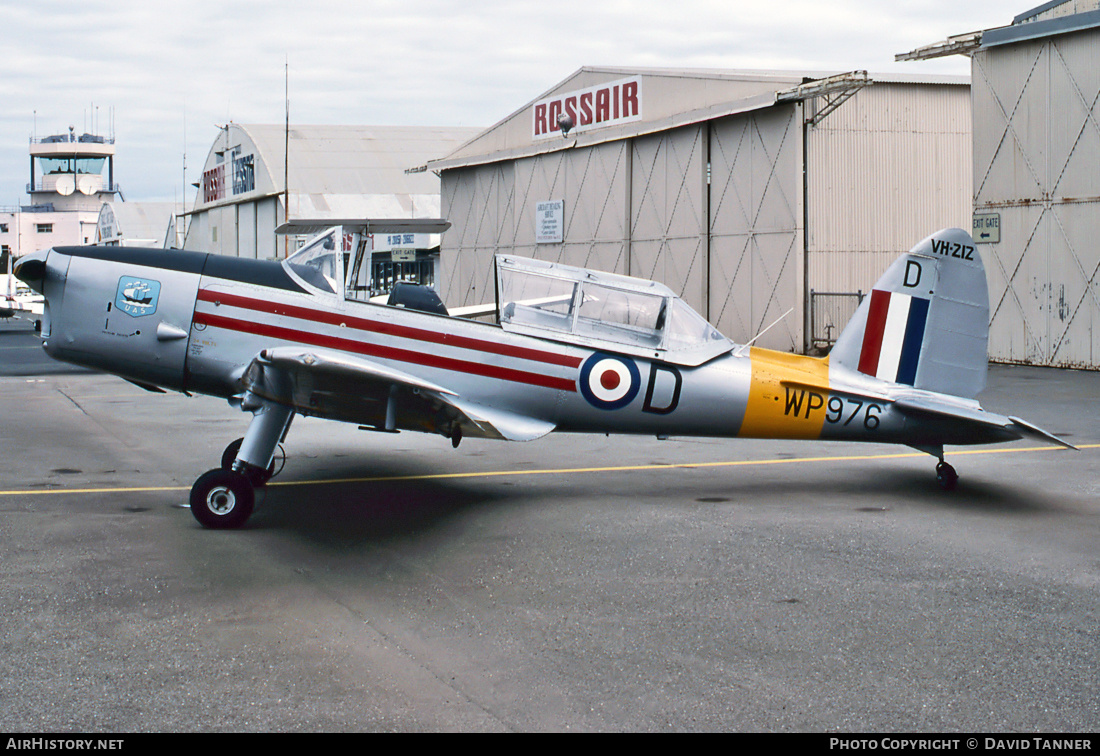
221	500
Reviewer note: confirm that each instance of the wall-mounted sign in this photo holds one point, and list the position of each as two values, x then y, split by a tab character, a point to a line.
549	222
413	242
618	101
242	177
107	224
987	228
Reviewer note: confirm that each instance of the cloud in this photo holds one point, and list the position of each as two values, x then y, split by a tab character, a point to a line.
163	74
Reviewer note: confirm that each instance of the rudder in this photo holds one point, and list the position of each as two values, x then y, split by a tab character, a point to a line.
926	322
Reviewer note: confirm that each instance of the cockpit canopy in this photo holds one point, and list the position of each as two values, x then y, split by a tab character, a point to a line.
626	314
548	300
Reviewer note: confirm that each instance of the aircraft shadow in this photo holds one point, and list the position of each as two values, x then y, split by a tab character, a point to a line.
357	507
368	505
885	488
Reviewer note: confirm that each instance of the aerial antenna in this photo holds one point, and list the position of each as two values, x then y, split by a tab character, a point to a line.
741	349
183	196
286	152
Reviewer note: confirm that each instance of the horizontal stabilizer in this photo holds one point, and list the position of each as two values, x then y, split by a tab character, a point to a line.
1032	431
932	405
972	413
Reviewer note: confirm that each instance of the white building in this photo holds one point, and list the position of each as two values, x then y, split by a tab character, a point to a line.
70	178
138	224
1036	200
258	177
744	191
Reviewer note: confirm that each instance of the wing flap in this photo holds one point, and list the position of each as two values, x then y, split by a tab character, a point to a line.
502	424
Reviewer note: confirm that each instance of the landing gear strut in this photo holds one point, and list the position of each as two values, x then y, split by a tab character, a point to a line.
255	474
224	497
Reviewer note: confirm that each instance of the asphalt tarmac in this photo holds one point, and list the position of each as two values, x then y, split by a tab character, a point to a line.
392	583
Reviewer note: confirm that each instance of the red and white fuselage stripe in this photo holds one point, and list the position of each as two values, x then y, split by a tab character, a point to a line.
379	339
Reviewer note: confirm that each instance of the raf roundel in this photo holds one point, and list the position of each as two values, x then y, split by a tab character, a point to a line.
609	381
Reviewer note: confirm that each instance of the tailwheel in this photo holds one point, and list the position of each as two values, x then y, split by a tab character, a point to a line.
222	499
946	476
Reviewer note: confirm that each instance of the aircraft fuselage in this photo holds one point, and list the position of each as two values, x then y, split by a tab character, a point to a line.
201	318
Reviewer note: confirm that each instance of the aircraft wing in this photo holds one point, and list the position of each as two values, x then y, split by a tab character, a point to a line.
334	385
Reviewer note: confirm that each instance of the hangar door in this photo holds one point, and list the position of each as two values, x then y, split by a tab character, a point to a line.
755	213
668	212
479	203
1036	147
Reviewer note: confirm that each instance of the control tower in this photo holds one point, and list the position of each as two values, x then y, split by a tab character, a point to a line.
72	178
72	173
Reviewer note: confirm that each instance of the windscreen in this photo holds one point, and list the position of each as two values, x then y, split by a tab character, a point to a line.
316	262
685	328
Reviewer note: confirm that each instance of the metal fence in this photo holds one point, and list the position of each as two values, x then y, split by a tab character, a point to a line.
829	313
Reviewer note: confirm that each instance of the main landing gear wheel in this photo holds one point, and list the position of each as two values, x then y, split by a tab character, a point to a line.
222	499
256	475
946	476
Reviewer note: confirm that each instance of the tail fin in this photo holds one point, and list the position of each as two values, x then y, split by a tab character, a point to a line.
926	323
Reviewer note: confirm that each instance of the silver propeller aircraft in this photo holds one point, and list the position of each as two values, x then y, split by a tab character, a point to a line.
569	350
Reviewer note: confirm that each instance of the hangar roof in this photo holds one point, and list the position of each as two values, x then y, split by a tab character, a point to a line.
1046	20
665	98
342	171
136	223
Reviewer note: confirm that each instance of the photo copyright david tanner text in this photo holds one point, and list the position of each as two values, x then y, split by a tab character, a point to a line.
1044	743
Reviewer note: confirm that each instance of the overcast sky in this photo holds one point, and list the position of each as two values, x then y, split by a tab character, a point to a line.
163	74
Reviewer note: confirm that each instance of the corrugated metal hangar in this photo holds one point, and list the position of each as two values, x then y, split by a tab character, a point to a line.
257	177
1036	100
748	193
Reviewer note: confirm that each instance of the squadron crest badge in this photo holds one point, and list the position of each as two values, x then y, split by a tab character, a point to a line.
137	296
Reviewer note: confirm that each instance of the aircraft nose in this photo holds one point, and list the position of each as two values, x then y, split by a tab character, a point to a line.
31	269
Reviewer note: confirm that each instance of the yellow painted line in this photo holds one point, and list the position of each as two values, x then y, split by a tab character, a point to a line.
556	471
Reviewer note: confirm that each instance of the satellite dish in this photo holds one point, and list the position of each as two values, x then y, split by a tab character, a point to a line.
565	123
87	184
65	185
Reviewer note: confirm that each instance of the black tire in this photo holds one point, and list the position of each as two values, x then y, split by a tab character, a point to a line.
946	476
222	499
229	456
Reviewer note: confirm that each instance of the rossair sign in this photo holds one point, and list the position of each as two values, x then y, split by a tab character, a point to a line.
618	101
241	177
